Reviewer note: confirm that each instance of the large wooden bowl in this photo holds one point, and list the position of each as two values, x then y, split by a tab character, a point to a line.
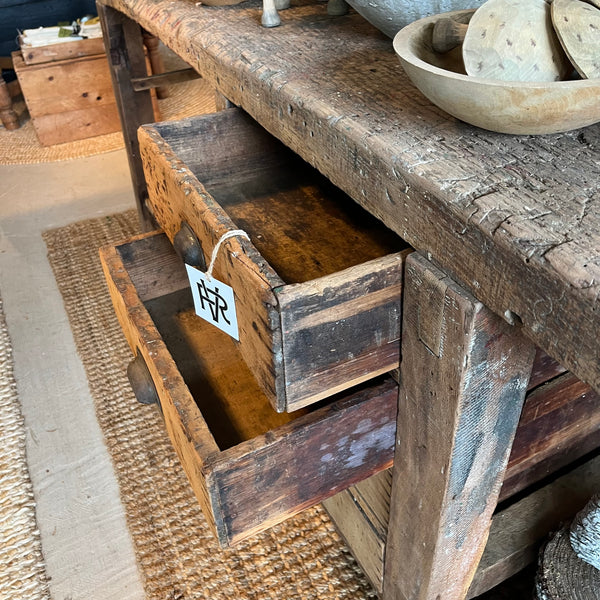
504	106
390	16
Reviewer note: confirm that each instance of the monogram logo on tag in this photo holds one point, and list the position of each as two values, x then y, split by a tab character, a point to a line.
213	301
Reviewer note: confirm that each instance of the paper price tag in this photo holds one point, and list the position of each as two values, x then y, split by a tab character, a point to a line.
213	301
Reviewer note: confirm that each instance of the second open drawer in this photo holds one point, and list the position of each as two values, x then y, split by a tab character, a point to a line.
318	287
249	466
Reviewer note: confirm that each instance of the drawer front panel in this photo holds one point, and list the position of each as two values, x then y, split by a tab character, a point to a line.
341	330
311	252
249	466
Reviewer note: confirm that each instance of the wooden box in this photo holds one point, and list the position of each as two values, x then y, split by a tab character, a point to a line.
318	287
68	98
249	466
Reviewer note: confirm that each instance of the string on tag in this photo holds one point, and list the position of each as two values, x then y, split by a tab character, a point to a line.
225	236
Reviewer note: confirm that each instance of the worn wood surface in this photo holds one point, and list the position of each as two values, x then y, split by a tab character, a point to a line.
361	515
318	288
249	466
68	50
175	197
463	379
522	47
559	424
513	218
516	533
125	51
70	99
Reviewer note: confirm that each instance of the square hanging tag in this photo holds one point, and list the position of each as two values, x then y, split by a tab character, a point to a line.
213	301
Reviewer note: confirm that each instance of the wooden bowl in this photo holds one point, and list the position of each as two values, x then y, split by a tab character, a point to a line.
390	16
514	107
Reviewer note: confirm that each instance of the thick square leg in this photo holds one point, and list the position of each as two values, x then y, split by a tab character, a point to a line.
463	374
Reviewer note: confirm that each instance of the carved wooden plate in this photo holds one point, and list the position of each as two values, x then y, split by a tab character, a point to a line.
513	40
577	25
519	107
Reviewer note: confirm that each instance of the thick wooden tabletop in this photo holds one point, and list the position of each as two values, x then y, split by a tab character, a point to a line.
515	219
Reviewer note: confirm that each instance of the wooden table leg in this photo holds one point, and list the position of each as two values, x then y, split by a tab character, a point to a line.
7	115
464	374
125	50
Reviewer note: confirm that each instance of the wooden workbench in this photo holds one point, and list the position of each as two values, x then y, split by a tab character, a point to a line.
507	227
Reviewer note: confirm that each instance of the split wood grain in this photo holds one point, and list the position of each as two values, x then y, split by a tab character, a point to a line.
463	379
513	218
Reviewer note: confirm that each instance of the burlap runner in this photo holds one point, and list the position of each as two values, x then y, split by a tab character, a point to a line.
303	558
22	570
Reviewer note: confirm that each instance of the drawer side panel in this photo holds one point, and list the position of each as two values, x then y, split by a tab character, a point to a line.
175	197
187	429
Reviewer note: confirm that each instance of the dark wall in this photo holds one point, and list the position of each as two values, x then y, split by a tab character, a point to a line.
28	14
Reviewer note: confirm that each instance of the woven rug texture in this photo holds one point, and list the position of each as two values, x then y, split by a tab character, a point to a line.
22	569
303	558
21	146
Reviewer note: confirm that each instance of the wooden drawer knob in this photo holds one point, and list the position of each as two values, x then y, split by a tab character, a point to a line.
189	248
141	381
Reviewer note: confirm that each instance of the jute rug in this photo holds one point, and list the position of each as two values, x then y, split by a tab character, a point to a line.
22	570
178	557
21	146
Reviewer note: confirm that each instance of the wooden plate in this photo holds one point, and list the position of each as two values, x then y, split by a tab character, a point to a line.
577	25
513	40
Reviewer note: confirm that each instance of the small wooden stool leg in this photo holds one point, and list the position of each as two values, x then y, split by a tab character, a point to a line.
7	115
463	379
156	62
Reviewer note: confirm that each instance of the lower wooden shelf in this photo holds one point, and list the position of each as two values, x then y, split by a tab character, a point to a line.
361	516
251	467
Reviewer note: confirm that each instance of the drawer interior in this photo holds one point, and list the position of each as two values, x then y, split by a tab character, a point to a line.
233	406
301	224
249	466
218	379
317	287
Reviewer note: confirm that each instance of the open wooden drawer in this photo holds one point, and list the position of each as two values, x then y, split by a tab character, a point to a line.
249	466
318	288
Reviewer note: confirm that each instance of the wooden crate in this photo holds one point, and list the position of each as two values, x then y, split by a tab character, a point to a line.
68	99
318	288
64	51
250	467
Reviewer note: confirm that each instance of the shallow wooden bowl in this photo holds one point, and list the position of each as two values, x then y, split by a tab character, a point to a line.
504	106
